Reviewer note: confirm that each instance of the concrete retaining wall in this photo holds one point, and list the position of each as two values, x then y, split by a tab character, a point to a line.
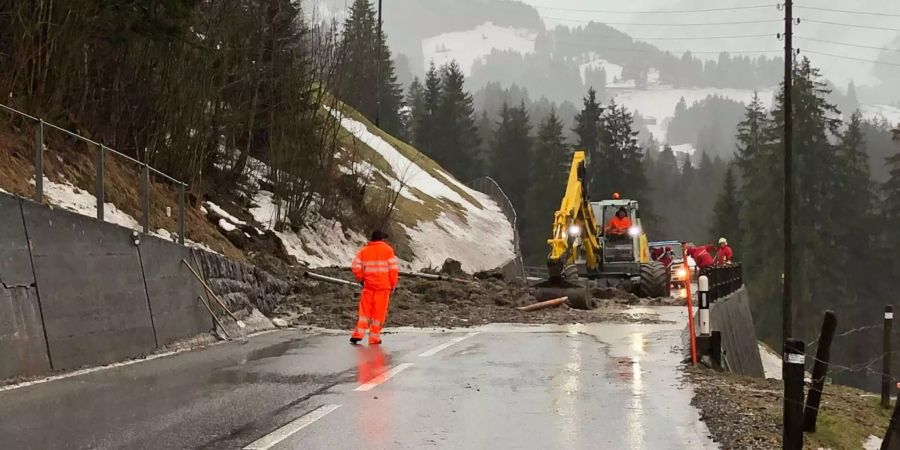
78	292
731	316
23	350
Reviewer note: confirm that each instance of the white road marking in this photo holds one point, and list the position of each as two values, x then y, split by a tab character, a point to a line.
270	440
381	378
434	350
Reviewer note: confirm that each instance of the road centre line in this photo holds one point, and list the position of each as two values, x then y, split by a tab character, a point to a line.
434	350
272	439
381	378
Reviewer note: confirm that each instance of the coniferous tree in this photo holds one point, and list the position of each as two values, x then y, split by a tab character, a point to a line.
512	166
369	82
587	124
618	165
456	142
726	213
415	101
485	136
549	172
426	120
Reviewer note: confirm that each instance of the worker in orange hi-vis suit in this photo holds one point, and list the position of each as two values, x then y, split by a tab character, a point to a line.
377	267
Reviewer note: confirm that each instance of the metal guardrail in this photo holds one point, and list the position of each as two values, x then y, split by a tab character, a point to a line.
724	280
487	185
102	151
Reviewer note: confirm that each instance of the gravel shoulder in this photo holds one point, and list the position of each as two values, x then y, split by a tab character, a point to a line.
746	413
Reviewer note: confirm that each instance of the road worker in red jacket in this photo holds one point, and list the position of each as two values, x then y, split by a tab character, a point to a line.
724	255
377	267
702	255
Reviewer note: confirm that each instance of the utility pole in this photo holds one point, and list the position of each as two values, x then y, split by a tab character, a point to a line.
788	305
378	57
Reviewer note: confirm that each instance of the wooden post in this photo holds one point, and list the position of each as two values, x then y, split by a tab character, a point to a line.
39	162
820	372
145	192
98	191
181	226
792	372
886	358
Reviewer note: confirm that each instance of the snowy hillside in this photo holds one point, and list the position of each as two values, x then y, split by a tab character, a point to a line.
441	217
657	103
465	47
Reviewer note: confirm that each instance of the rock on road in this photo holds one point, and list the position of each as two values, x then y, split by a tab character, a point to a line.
608	386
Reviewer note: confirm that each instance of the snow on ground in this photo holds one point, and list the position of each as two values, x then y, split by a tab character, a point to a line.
873	443
872	111
659	102
771	362
68	197
218	210
324	243
227	222
613	71
466	47
684	148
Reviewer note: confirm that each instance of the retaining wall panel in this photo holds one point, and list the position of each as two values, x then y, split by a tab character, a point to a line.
732	317
91	286
174	292
23	350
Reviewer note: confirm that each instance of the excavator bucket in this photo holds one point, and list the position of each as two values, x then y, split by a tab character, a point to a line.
579	296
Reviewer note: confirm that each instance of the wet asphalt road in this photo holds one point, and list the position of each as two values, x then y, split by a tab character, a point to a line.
597	386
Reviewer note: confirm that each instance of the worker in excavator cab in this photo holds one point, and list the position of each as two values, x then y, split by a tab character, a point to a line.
619	224
377	267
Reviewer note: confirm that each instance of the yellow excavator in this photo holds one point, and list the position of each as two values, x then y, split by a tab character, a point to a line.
581	248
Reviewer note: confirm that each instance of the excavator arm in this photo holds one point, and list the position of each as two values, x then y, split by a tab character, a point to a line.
574	225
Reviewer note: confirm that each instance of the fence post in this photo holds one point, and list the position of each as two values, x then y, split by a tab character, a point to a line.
792	373
39	162
98	192
145	191
886	358
891	439
181	213
820	372
703	300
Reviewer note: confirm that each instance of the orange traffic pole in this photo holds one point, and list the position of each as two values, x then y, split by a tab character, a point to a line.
687	289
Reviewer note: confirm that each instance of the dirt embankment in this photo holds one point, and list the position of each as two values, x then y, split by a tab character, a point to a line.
746	413
438	303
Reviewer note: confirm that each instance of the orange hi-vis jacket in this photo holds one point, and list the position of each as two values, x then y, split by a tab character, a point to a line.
618	226
376	266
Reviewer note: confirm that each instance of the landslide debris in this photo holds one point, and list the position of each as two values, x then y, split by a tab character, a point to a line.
421	302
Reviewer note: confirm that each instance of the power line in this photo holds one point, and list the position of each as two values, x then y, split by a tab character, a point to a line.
852	58
850	45
701	24
844	11
691	38
852	25
670	11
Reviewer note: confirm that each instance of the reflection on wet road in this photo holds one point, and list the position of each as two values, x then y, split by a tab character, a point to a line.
606	386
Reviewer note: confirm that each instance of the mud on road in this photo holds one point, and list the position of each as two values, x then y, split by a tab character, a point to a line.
439	303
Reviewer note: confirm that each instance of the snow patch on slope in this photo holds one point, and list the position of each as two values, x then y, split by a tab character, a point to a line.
466	47
483	241
658	102
771	362
321	244
66	196
613	71
872	443
687	149
872	111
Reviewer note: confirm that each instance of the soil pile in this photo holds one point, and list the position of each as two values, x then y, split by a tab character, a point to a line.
438	303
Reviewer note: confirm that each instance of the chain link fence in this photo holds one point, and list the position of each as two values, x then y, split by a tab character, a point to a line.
489	187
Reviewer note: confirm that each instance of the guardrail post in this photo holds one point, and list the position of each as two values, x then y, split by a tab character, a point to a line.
703	300
145	193
39	162
792	372
820	372
886	358
181	213
98	192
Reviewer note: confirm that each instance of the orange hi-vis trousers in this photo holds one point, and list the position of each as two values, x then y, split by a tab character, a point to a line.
373	306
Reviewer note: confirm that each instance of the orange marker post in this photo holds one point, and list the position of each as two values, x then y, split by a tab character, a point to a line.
687	289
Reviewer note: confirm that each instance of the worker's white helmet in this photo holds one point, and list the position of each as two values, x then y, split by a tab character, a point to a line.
723	241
